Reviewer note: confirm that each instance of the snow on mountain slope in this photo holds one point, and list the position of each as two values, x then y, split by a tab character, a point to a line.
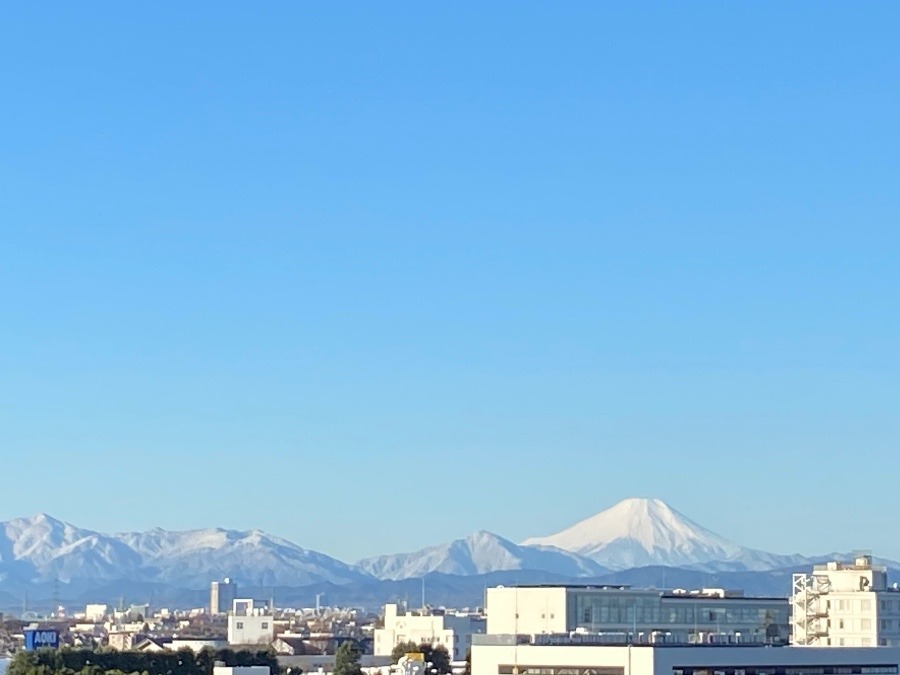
189	557
42	548
479	553
639	532
634	533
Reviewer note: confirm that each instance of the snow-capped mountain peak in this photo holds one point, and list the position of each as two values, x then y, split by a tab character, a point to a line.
481	552
44	549
637	532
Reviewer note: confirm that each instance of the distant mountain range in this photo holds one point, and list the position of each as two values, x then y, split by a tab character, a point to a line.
640	542
480	553
43	549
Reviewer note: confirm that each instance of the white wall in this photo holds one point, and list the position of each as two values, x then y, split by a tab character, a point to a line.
526	611
646	660
95	613
487	659
251	630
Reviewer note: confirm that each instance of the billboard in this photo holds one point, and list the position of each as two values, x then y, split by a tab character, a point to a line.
47	638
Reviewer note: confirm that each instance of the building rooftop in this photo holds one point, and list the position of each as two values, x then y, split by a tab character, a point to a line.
704	593
605	587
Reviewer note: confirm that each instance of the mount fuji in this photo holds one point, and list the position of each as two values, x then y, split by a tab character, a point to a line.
642	532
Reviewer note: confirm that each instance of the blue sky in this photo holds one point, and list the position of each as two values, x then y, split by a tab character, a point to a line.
374	276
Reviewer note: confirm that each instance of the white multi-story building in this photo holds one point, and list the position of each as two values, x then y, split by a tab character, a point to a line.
95	613
707	615
453	630
845	605
250	625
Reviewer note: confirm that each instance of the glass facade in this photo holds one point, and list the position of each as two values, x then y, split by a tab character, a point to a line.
755	619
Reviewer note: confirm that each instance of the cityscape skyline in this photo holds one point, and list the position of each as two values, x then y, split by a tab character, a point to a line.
372	278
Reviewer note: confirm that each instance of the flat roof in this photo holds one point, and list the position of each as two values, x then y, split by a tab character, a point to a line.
579	586
665	593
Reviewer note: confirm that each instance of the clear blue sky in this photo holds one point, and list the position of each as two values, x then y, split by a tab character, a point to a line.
372	277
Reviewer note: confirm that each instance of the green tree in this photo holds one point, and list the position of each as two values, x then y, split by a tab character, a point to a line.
23	663
346	659
438	657
401	649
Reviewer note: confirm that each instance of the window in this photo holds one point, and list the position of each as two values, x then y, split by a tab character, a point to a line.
504	669
265	625
239	625
866	624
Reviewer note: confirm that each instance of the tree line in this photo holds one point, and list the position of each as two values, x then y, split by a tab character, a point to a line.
91	662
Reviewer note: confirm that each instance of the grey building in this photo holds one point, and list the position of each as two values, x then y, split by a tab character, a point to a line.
221	595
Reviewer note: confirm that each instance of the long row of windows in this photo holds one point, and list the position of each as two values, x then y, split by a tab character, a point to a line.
594	608
788	670
558	670
507	669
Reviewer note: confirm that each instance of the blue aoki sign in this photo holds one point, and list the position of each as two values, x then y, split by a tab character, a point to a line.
41	639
